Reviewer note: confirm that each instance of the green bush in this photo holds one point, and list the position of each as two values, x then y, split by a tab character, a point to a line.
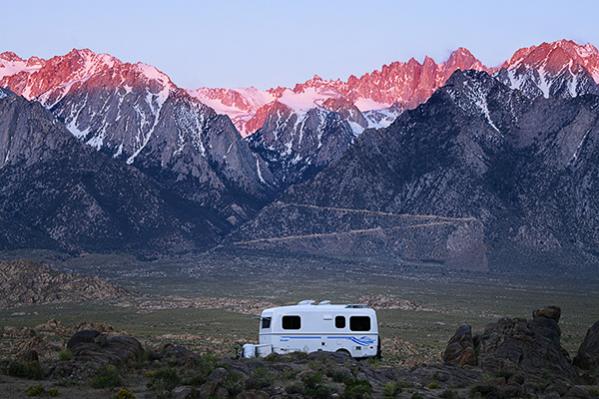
207	363
319	392
357	389
416	395
594	392
449	394
106	377
202	369
312	379
403	384
233	384
124	393
433	385
53	392
35	390
339	374
165	379
391	390
29	370
65	355
260	378
296	388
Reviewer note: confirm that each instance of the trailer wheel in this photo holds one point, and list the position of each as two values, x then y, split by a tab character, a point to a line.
345	351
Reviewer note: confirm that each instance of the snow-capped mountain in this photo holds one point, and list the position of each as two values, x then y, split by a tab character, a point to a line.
299	144
135	113
382	94
478	177
559	69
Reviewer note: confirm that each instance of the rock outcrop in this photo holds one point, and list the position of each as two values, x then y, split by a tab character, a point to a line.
28	283
96	347
512	346
587	357
461	349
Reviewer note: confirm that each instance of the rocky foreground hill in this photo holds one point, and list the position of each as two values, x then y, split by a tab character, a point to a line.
28	283
511	358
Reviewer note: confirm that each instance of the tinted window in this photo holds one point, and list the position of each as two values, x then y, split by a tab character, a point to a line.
340	321
292	323
359	323
266	322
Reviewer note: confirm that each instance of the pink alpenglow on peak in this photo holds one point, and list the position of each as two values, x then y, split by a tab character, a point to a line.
379	95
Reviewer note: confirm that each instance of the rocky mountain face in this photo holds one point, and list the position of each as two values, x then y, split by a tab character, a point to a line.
394	87
482	175
26	283
513	177
559	69
134	113
296	146
58	193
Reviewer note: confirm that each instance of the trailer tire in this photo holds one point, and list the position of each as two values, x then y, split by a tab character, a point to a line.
345	351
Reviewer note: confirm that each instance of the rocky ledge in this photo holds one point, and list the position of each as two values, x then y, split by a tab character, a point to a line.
511	358
29	283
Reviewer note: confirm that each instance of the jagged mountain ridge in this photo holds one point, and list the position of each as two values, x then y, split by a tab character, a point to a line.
523	168
186	149
58	193
134	113
117	107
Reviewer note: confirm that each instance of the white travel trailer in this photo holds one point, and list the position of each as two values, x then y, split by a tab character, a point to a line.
310	327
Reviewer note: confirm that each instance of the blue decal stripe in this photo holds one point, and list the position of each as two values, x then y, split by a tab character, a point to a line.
361	341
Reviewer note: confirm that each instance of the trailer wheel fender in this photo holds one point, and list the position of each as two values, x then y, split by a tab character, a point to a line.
344	351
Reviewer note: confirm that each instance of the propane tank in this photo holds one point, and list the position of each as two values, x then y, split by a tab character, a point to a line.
249	351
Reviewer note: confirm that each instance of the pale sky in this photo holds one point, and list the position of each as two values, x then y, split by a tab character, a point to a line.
235	43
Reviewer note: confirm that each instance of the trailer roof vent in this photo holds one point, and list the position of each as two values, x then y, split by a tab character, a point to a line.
327	302
306	302
357	306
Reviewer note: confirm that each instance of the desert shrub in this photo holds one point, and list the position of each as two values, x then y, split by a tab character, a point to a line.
403	384
319	392
207	363
65	355
339	374
35	390
203	366
106	377
433	385
483	391
449	394
164	379
594	392
357	389
53	392
289	374
233	384
124	393
260	378
416	395
312	379
504	374
296	388
29	370
391	390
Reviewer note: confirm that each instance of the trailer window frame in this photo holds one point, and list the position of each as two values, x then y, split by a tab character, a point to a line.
291	322
265	322
354	323
340	322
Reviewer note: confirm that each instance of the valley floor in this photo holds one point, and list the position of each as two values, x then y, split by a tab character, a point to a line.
209	302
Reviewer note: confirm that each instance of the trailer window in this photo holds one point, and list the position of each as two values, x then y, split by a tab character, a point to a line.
292	323
359	323
266	322
340	321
